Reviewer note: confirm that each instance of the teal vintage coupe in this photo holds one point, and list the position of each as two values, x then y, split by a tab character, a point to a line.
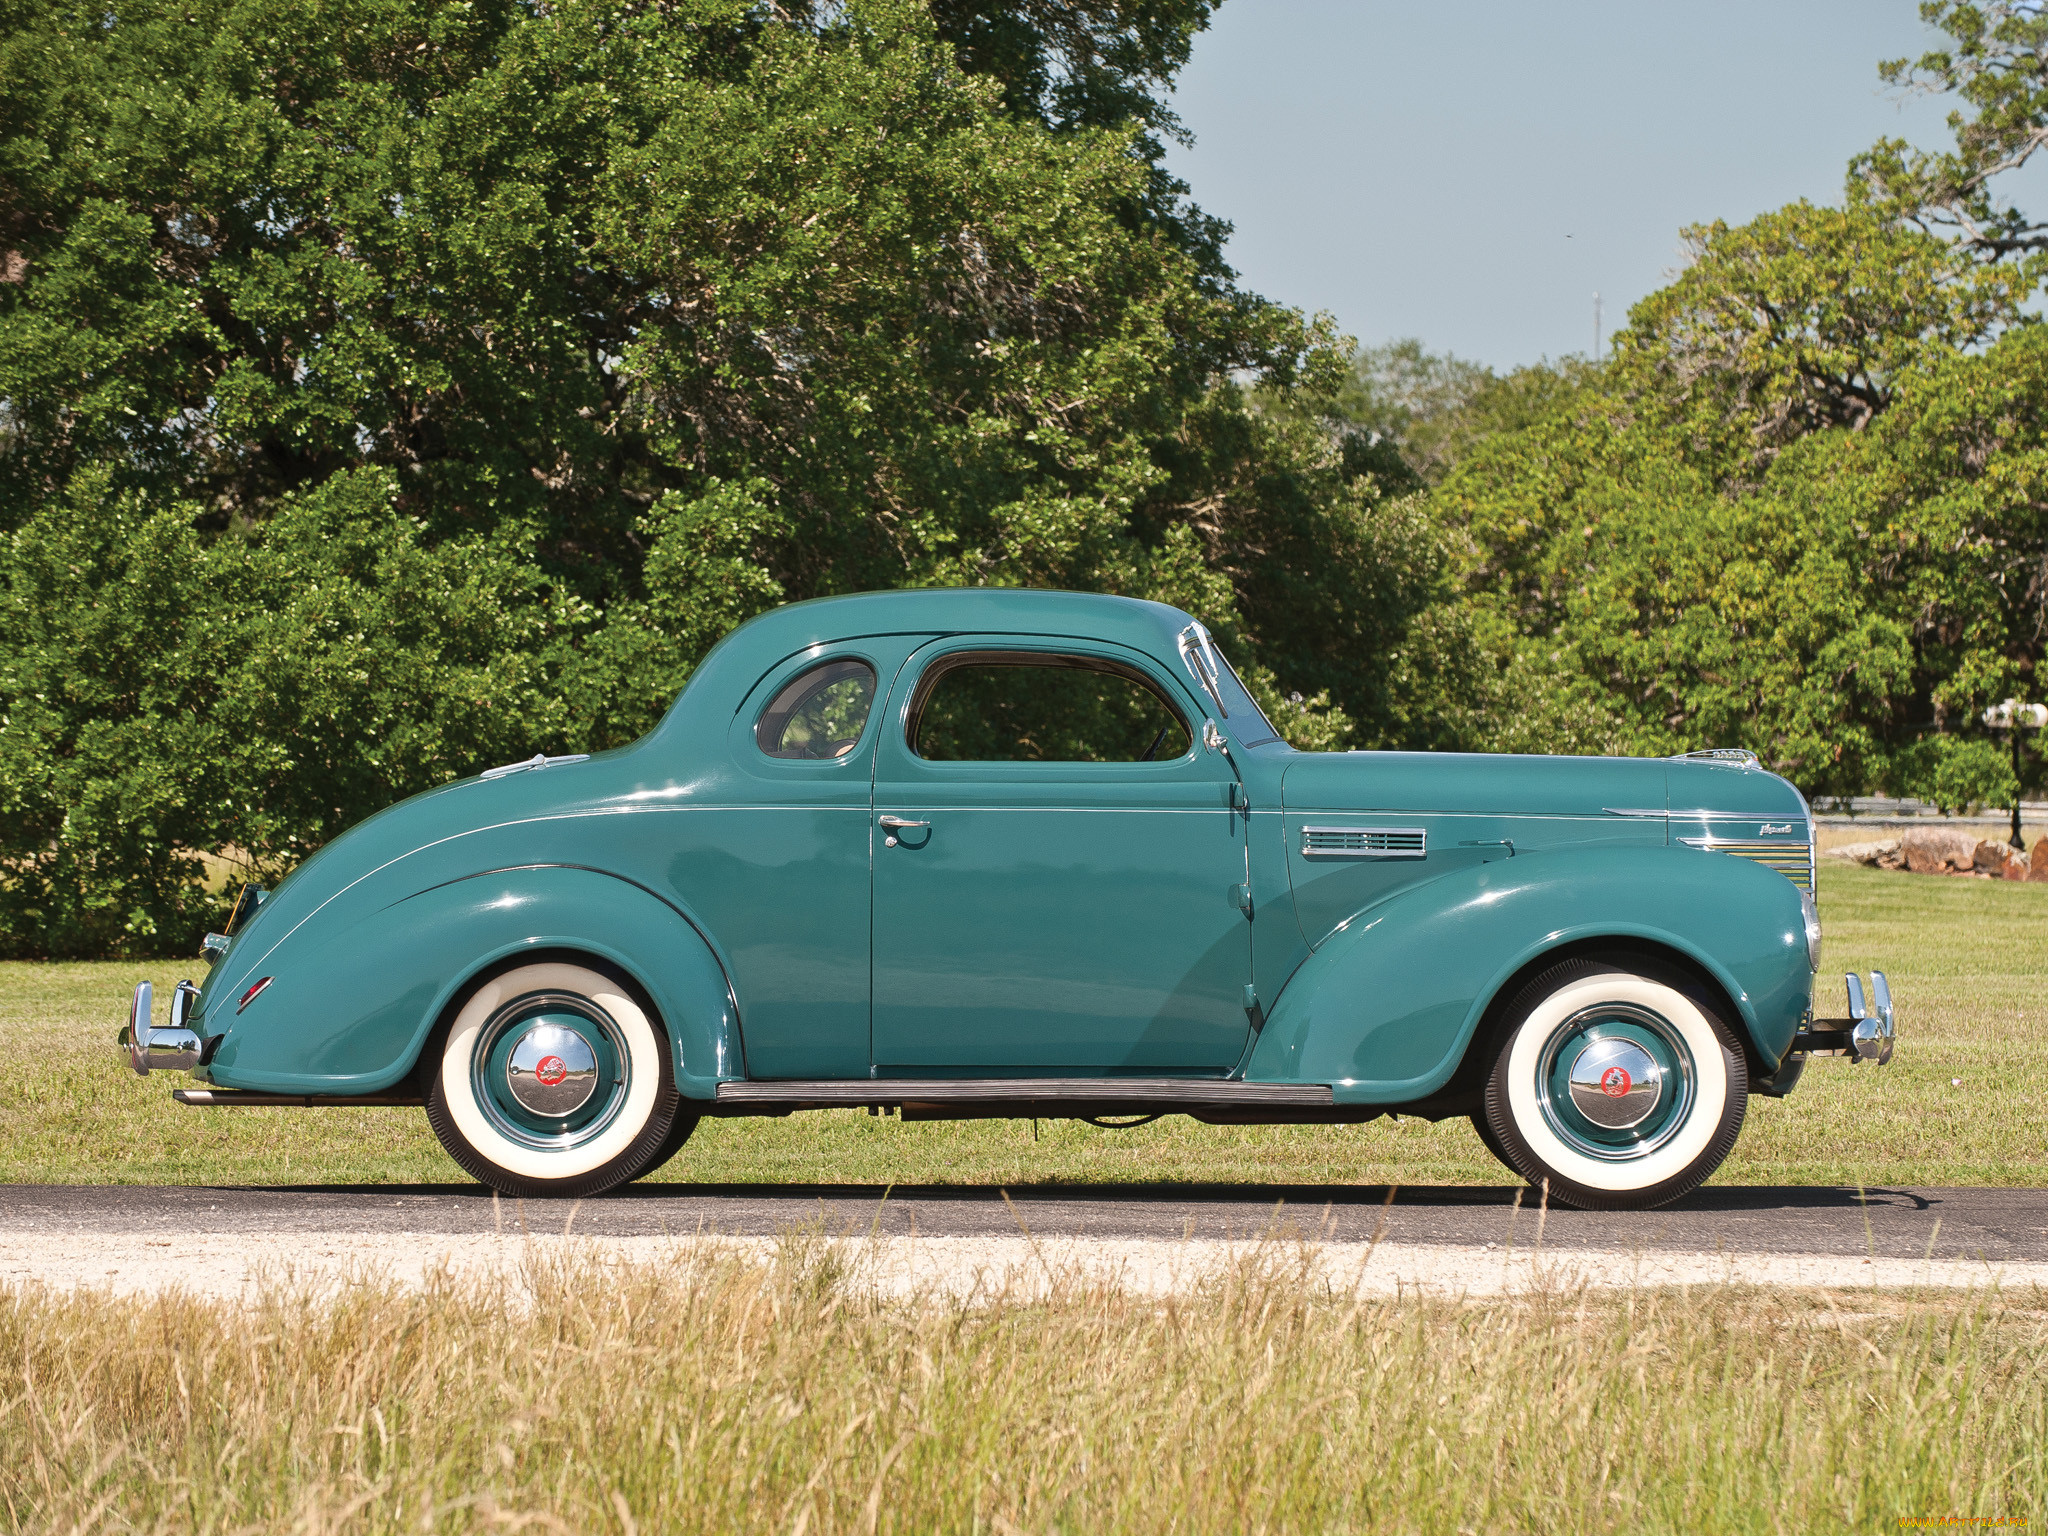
1014	853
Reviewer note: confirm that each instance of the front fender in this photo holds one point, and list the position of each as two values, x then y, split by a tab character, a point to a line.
351	1005
1386	1006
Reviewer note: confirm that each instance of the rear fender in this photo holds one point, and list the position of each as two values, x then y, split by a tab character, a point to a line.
1386	1007
349	1012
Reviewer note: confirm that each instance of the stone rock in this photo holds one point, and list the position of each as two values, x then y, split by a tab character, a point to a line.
1875	852
1939	851
2037	861
1990	858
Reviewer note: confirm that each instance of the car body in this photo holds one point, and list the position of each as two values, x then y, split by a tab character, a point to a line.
900	849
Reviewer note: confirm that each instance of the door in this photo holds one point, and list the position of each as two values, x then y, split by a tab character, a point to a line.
1064	891
775	858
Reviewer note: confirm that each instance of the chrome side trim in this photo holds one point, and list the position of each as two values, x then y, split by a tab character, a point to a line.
1364	842
1024	1090
246	1098
1695	815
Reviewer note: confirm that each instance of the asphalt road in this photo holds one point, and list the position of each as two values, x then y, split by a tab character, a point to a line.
1952	1224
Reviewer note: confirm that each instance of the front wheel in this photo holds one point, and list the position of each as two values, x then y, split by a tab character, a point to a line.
553	1081
1622	1087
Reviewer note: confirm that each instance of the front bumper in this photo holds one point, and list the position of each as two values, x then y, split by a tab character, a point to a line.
175	1049
1868	1034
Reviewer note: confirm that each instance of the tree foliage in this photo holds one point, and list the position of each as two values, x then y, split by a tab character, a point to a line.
392	387
1798	511
1996	66
1801	320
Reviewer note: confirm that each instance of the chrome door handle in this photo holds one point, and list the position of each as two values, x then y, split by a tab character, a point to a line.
896	824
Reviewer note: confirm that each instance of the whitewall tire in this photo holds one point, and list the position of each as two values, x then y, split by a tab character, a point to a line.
554	1079
1619	1085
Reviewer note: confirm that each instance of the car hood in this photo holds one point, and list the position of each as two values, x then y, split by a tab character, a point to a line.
1507	785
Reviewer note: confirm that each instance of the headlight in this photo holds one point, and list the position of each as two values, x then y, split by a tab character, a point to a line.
1812	916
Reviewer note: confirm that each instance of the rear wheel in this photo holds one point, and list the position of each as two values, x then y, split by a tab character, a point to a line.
1622	1086
554	1081
680	1130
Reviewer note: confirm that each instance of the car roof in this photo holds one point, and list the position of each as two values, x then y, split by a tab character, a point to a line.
955	610
738	661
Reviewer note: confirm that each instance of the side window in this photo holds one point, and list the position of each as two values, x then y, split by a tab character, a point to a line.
818	714
1034	707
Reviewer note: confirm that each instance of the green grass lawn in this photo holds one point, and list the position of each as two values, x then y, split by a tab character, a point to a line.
1967	960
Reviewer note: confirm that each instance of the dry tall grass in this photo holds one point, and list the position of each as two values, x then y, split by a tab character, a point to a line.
721	1395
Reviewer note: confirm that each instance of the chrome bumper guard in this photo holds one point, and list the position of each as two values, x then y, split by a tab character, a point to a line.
175	1049
1868	1034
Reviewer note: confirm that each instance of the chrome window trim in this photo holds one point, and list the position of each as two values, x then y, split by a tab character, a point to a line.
1198	653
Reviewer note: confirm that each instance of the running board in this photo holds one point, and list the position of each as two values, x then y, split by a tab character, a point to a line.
1164	1092
245	1098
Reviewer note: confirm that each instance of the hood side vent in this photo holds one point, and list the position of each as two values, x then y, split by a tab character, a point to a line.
1793	860
1364	842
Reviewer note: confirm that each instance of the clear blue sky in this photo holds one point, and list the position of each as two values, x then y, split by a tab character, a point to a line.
1471	173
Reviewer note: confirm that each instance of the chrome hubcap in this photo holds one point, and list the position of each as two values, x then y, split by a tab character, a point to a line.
1615	1083
552	1070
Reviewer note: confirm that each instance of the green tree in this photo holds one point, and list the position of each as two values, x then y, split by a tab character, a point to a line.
1797	511
432	383
1801	320
1829	604
1996	66
1432	409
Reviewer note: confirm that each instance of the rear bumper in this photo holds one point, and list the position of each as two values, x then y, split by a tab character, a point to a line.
149	1049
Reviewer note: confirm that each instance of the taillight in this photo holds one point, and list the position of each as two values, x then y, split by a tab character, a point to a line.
249	996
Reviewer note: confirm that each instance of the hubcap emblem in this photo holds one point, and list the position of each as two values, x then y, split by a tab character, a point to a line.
552	1070
1615	1083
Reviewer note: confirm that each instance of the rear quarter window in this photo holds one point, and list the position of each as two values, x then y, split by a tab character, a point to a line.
819	714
